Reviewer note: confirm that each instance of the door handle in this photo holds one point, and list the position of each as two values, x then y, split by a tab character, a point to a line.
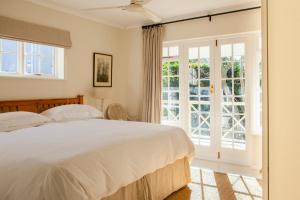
212	88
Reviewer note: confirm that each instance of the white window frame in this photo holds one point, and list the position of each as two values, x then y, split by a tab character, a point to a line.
58	60
170	59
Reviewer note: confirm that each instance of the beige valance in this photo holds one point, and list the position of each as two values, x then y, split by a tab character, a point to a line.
25	31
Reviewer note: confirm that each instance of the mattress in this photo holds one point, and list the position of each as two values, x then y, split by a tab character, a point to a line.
86	159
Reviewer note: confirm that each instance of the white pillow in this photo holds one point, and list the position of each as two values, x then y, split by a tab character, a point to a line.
72	112
17	120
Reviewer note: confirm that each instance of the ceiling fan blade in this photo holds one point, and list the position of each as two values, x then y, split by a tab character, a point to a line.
149	14
104	8
140	2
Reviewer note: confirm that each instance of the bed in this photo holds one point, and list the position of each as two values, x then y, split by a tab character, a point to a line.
93	159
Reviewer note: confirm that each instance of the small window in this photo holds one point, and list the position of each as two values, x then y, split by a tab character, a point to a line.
25	59
8	56
170	86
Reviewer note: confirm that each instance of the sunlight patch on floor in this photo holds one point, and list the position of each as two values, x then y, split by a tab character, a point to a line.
204	186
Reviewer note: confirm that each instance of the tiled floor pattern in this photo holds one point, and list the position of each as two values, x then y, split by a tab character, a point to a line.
209	185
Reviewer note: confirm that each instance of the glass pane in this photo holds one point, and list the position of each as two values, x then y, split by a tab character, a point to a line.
226	70
195	132
194	89
227	122
165	69
204	52
239	49
174	96
227	138
174	68
31	48
204	131
9	46
227	87
165	96
173	51
165	83
240	120
239	136
204	99
204	87
238	68
205	137
174	83
204	117
46	51
239	109
165	52
31	64
193	53
204	125
194	98
165	113
204	83
195	107
204	71
226	50
9	63
174	112
227	99
239	87
194	70
194	120
205	107
239	58
227	109
239	99
47	65
227	135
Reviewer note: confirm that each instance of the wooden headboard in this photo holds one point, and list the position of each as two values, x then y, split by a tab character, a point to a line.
37	105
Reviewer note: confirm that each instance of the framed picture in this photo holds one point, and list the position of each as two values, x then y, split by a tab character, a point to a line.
102	75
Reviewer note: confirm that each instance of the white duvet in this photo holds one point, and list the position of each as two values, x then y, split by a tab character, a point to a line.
87	159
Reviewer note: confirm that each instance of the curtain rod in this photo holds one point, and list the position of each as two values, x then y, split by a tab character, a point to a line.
203	16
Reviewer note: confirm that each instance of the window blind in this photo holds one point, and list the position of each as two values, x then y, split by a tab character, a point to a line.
30	32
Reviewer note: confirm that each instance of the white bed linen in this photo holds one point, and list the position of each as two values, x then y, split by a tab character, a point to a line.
87	159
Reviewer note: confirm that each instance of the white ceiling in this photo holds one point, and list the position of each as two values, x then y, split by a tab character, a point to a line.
166	9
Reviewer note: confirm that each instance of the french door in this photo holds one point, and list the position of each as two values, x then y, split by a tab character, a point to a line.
212	97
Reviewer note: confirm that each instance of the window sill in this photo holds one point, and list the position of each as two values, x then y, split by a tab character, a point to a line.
2	75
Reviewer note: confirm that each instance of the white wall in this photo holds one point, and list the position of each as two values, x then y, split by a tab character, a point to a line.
284	98
135	71
87	37
220	25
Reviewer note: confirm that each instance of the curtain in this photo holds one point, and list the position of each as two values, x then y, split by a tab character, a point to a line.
29	32
152	59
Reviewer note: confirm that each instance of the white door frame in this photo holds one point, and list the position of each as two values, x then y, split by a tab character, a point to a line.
208	152
242	157
265	119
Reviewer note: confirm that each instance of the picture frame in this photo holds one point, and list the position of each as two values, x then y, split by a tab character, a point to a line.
102	70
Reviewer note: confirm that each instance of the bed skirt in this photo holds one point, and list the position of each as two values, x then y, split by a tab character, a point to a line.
157	185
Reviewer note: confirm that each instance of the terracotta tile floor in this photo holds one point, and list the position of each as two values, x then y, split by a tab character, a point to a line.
209	185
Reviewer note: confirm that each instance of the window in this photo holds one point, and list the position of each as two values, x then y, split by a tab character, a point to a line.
199	94
170	85
233	95
26	59
8	56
